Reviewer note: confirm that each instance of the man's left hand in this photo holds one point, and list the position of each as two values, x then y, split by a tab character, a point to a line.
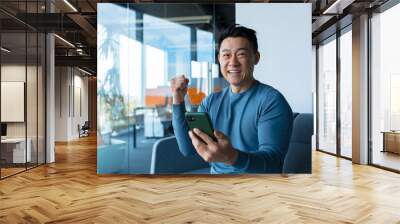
213	151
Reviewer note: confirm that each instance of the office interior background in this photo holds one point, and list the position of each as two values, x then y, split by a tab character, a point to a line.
68	57
49	81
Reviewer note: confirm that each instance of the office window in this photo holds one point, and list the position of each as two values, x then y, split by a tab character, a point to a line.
165	50
346	94
327	96
207	61
385	87
139	53
205	46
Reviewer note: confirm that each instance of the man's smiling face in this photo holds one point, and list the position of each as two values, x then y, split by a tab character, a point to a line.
237	59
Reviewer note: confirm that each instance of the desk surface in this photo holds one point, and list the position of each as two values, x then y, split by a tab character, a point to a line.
390	132
13	140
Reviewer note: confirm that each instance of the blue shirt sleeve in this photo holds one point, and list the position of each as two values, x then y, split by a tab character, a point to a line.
181	128
274	132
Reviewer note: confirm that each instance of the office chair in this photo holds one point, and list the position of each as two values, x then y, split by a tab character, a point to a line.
84	130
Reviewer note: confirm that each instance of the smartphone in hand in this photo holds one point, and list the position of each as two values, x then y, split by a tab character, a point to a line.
202	121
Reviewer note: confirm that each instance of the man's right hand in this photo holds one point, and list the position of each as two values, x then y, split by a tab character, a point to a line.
179	86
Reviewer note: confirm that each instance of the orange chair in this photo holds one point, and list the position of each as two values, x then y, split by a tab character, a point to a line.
157	96
195	95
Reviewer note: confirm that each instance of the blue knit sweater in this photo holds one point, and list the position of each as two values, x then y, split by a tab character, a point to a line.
258	123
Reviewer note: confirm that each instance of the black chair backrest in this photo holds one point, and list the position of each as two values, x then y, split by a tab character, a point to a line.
86	125
298	157
167	159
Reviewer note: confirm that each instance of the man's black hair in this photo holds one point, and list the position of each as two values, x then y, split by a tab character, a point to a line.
239	31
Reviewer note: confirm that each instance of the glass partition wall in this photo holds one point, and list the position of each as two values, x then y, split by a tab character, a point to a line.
22	87
13	110
140	49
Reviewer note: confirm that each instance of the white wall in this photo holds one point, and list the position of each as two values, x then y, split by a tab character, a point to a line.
61	82
284	38
70	83
13	100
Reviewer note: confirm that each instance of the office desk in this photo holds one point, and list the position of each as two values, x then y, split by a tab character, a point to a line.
15	148
391	141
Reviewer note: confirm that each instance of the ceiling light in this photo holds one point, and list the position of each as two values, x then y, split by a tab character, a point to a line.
5	50
64	40
191	19
337	7
70	5
84	71
184	19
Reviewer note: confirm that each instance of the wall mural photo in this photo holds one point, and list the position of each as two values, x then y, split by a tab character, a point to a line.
204	89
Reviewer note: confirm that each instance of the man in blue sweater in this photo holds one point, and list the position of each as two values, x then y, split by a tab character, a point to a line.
252	121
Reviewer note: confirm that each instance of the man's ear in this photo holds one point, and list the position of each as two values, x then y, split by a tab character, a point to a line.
257	59
219	60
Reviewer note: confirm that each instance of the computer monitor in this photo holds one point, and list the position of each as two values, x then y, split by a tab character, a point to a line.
3	129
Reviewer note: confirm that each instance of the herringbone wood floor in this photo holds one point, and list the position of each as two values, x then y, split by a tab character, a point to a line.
70	191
